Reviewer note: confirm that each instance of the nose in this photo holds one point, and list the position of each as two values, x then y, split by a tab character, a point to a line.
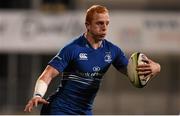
104	27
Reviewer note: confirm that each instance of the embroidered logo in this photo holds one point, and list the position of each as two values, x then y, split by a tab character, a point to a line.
96	68
108	57
83	56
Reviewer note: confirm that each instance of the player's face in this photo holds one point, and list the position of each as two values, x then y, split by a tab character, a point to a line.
99	25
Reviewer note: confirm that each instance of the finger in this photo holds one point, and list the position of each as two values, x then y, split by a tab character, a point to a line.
44	101
30	109
28	106
143	69
143	65
144	72
36	102
25	109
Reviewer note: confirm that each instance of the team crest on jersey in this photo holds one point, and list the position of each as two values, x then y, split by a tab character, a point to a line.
108	57
83	56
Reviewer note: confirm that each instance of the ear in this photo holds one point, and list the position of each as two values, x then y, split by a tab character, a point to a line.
87	25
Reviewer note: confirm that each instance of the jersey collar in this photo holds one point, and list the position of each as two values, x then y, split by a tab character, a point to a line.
88	45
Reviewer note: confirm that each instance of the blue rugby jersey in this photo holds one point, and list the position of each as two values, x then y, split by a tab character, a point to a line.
83	67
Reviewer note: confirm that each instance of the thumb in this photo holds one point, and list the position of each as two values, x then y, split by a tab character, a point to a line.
43	101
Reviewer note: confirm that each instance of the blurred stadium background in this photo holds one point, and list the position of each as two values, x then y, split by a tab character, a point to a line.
32	32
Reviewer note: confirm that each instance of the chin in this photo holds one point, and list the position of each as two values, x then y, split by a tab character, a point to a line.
100	39
102	35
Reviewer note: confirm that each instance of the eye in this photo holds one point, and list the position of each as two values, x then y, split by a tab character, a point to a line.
100	23
107	23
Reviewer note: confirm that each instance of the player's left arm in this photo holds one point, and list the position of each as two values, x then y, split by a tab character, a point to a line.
149	68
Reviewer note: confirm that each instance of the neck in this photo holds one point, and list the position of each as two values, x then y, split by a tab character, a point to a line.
94	42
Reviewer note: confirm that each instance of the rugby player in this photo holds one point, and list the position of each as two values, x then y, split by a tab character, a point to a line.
82	64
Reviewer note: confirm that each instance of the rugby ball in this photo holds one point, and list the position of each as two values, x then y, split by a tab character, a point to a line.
136	59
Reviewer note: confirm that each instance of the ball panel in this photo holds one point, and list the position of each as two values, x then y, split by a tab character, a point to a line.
131	67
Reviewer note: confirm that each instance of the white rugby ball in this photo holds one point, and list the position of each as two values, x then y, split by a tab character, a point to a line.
136	59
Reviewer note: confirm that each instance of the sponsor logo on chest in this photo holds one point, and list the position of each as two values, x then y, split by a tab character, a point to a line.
96	68
83	56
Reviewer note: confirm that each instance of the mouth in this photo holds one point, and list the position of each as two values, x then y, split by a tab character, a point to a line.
103	35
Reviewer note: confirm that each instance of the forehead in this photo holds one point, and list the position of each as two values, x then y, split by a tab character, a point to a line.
100	17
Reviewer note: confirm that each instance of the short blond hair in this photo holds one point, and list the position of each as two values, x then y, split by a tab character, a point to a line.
94	9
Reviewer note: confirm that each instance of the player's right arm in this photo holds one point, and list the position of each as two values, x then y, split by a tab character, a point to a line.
41	86
58	63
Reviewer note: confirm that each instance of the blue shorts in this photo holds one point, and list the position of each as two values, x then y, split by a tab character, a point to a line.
57	107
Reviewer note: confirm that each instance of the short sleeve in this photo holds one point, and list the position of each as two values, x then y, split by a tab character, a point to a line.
61	60
121	60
